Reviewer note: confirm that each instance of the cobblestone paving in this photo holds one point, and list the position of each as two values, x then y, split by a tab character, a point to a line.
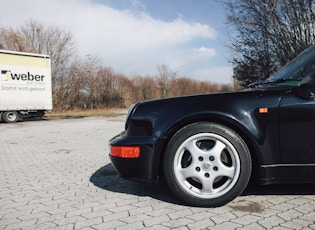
55	174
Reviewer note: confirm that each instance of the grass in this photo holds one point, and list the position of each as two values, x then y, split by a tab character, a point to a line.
86	113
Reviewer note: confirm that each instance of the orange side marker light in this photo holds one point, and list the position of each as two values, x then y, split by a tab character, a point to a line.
263	110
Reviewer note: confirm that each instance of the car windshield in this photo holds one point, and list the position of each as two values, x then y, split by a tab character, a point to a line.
294	71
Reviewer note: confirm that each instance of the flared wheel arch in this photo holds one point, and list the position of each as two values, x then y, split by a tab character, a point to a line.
241	131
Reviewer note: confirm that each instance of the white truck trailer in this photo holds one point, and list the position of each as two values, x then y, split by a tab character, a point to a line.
25	85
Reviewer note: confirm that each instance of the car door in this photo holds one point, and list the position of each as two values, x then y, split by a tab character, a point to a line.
297	128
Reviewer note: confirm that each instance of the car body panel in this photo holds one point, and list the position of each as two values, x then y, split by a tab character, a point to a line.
297	128
164	117
275	120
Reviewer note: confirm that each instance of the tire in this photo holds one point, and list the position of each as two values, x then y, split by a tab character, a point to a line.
207	164
10	116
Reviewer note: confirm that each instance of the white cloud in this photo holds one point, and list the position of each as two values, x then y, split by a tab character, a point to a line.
220	74
129	41
184	58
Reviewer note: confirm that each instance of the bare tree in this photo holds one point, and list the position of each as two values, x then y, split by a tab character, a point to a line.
164	79
50	40
70	93
184	86
113	88
145	88
266	34
11	40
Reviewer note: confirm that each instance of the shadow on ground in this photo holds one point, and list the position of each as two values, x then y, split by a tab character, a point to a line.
107	178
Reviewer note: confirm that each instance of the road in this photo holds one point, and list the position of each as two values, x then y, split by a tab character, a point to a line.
56	174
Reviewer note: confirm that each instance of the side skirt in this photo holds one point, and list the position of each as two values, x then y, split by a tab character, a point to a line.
287	173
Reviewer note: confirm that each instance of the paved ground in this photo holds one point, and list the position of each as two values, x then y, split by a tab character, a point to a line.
56	175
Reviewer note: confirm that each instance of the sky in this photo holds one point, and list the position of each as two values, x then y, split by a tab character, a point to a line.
134	37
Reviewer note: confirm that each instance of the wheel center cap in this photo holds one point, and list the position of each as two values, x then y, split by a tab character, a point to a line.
206	166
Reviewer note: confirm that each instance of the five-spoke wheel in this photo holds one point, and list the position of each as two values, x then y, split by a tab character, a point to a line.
207	164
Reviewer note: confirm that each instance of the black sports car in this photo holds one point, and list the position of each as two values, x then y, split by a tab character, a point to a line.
208	146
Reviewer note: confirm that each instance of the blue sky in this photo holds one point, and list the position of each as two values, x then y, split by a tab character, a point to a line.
135	36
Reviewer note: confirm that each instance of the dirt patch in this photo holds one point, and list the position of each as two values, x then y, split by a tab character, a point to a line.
247	206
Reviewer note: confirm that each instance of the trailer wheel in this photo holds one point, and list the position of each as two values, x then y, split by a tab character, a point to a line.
10	116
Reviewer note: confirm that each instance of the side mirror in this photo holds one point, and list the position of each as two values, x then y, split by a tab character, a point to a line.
308	81
307	87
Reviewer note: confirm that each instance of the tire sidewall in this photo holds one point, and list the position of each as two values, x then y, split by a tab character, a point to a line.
218	129
7	113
